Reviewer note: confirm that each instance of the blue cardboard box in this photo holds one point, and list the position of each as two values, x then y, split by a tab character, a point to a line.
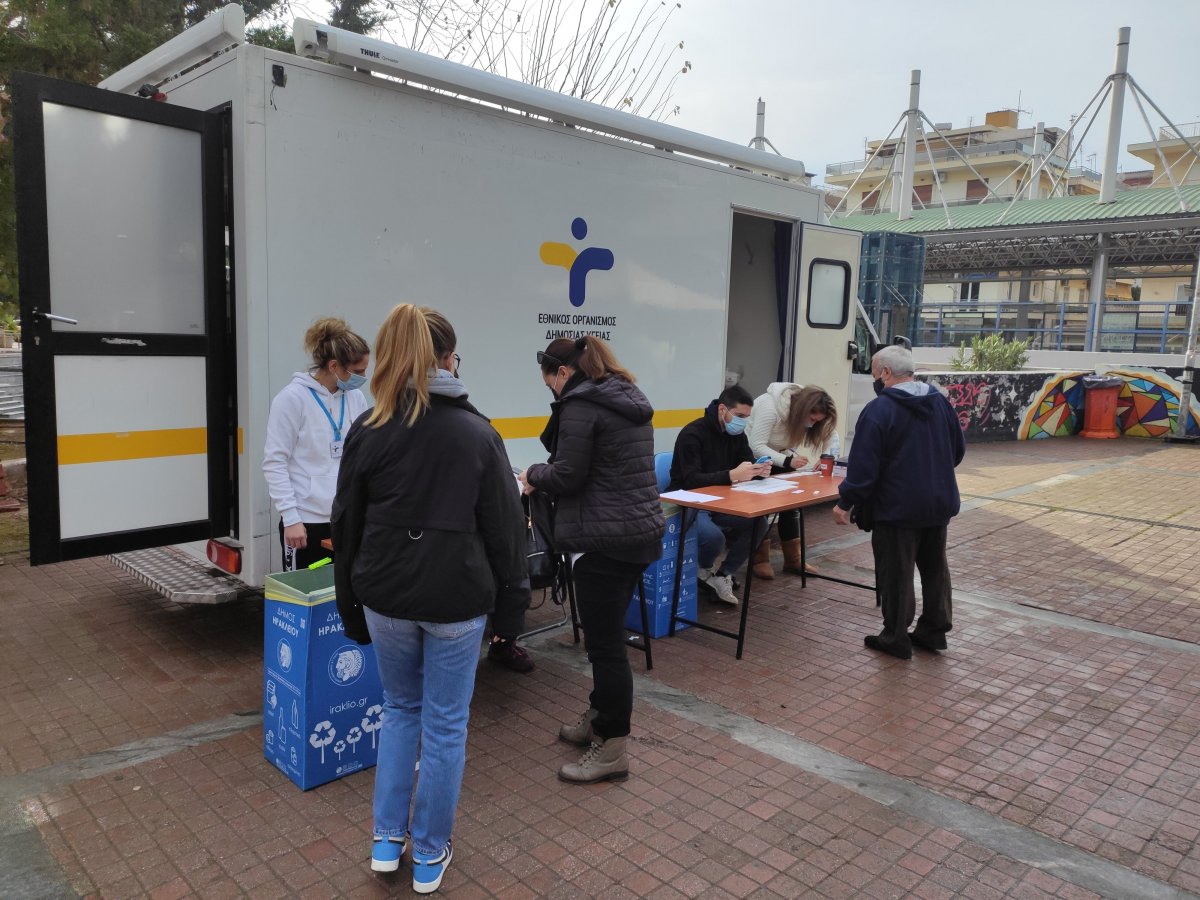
322	700
658	581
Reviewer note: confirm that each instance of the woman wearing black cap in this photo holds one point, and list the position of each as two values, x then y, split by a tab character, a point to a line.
601	472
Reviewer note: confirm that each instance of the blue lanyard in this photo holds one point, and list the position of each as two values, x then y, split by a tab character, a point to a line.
336	426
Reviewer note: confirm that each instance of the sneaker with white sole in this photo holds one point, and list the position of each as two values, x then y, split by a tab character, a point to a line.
428	870
722	586
386	852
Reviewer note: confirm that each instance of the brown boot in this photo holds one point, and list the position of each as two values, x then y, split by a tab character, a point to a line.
762	561
604	760
791	556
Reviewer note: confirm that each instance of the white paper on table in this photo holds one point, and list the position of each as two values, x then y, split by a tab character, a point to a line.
766	486
688	497
797	474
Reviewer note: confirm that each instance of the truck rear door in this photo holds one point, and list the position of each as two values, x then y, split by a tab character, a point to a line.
125	316
827	294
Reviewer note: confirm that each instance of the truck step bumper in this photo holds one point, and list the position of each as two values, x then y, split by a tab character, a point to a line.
180	577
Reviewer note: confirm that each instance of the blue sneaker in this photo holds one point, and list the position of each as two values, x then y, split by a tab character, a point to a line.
386	853
428	870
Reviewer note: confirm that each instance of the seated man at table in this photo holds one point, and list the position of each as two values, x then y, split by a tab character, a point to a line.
713	450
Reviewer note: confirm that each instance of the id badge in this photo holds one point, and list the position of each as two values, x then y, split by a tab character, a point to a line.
335	449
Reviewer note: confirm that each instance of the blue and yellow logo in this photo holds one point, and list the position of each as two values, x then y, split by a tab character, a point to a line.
554	253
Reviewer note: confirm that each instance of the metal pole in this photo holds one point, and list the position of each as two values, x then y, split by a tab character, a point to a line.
1035	162
1189	360
1099	280
904	211
1108	181
760	127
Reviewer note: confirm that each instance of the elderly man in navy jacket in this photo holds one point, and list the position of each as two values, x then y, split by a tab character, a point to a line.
900	485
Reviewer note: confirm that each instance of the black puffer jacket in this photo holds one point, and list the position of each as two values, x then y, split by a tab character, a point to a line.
601	470
705	452
427	520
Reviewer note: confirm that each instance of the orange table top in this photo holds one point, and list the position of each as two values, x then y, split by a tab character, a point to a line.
809	491
327	543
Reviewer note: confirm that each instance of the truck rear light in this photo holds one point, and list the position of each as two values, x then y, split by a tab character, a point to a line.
226	554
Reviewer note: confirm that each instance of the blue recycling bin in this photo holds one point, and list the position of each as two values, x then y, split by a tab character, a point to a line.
322	699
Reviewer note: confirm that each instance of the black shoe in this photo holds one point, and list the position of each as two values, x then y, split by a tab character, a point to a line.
509	655
875	642
931	642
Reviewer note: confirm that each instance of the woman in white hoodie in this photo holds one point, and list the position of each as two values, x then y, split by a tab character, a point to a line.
305	432
794	425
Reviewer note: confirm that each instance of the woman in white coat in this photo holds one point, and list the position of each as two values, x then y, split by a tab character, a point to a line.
305	432
794	425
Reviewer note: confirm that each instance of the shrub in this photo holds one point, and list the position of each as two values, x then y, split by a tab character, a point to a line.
991	354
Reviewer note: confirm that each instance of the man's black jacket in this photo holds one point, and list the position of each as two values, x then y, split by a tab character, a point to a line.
705	453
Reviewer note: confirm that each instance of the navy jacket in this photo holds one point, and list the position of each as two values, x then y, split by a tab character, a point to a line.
902	461
705	453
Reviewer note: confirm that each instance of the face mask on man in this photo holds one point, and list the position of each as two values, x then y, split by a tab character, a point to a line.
878	385
353	383
736	425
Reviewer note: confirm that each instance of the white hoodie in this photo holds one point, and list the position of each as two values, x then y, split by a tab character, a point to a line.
300	469
767	430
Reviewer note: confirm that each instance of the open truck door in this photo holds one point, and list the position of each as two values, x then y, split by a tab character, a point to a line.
125	317
823	333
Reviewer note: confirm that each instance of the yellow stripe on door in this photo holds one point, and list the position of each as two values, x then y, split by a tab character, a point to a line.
75	449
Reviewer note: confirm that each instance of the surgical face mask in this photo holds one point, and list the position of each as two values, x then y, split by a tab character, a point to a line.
353	383
554	387
878	385
736	425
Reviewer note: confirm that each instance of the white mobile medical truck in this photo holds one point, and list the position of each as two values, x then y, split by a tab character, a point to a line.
173	253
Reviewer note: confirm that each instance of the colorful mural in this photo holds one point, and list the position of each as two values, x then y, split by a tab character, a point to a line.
1148	404
1057	412
1005	406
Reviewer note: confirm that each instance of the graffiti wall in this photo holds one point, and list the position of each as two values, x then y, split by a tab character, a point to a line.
1007	406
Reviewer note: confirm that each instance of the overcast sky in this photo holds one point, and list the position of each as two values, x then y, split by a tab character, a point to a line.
834	73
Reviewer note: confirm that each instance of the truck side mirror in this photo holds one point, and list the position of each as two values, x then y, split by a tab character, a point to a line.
902	341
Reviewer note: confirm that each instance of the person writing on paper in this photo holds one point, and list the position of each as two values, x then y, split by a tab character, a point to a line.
601	471
713	450
306	428
794	425
900	486
429	532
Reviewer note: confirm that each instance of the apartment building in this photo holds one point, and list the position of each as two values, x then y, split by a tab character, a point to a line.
999	152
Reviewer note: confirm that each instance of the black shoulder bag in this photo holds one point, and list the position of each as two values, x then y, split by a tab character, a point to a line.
540	556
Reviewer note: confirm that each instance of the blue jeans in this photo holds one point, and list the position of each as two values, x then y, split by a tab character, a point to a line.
428	675
714	530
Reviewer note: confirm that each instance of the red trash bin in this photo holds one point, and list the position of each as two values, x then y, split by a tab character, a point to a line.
1100	406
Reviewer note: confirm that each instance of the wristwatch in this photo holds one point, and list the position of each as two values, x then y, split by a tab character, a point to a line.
787	460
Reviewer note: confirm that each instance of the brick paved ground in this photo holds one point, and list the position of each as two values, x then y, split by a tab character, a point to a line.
1085	738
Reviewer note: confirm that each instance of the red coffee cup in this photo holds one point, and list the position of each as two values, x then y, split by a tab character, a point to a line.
825	465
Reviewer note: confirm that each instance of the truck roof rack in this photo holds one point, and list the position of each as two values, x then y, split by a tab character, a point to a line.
336	45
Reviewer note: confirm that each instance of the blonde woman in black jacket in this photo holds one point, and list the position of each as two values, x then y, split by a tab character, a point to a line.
601	472
428	530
